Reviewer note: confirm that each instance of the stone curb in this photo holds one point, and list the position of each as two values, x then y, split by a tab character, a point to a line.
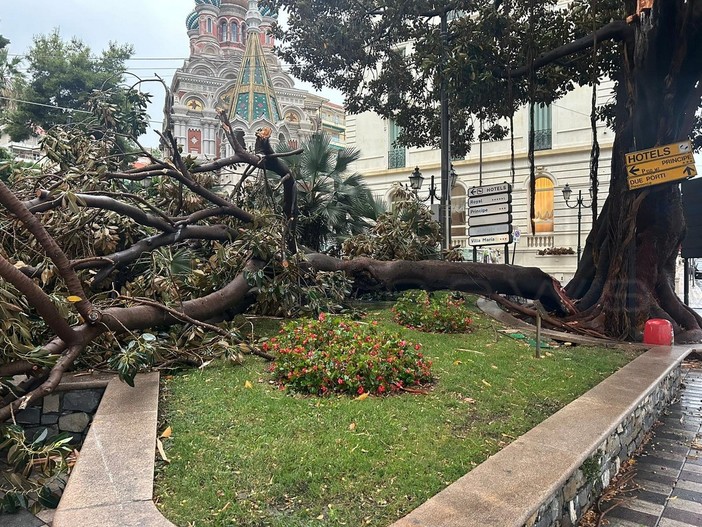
112	482
516	486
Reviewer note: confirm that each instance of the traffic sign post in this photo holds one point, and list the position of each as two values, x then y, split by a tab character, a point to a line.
662	164
490	216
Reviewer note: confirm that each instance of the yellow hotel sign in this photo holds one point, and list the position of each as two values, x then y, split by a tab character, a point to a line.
662	164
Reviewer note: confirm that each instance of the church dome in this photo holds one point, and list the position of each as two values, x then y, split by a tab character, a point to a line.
242	3
215	3
192	22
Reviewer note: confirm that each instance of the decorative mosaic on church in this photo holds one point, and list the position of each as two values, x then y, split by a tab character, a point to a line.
242	106
260	106
275	116
246	71
258	74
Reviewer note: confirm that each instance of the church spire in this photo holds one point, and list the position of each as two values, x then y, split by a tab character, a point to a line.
253	96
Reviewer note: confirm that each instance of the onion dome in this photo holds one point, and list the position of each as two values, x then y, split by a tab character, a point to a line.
267	11
215	3
192	22
242	3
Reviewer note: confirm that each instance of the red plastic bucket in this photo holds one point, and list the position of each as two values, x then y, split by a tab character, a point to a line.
659	332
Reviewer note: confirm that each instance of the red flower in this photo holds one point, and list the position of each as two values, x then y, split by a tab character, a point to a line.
360	390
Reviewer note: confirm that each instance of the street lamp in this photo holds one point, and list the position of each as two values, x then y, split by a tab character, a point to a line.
416	179
567	191
445	202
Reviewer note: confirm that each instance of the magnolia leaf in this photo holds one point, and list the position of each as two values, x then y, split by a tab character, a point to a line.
362	397
167	432
248	385
161	451
73	299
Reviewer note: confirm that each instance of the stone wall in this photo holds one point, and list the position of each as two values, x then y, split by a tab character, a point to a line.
63	411
584	486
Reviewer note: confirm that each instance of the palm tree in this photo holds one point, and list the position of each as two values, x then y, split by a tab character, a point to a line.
333	204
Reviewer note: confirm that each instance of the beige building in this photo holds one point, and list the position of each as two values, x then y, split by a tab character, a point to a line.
562	156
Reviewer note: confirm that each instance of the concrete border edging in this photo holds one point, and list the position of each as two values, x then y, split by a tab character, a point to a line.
523	484
111	484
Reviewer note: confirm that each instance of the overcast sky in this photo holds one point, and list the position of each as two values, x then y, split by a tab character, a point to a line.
156	29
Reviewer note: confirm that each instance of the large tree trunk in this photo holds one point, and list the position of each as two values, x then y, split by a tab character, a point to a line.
627	272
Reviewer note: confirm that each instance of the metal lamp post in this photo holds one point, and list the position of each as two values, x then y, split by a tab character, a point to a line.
579	204
416	179
445	202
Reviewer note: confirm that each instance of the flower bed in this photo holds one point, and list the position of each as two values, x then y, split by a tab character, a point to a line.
446	313
337	355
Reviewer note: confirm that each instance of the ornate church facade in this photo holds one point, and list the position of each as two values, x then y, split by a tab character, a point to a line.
232	67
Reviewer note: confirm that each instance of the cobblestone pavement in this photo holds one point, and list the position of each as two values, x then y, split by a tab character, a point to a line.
669	471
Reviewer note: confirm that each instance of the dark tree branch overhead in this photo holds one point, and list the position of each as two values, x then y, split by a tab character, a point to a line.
617	30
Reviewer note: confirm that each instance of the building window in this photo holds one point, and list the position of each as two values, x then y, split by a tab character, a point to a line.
223	31
209	25
235	32
458	211
396	155
543	205
243	33
542	127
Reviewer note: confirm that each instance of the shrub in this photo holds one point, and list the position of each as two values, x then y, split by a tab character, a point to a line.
337	355
440	314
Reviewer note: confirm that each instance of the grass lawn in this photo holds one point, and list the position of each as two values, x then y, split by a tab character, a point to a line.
244	453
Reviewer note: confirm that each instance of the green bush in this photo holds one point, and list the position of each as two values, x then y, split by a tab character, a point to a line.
439	314
337	355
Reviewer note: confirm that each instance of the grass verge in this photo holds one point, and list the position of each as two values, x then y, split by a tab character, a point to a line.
244	453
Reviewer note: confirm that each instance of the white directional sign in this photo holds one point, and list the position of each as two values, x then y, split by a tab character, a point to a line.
489	200
490	220
489	189
495	239
489	214
489	209
484	230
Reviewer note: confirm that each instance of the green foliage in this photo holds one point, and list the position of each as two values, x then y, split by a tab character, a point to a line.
445	313
407	232
35	471
65	74
129	359
337	355
333	204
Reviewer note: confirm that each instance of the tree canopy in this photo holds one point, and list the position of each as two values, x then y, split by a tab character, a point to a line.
388	57
64	79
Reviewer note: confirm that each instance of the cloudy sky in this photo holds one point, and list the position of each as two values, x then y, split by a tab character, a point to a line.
156	29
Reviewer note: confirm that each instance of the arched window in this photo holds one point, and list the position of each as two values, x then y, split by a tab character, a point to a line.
235	32
243	33
209	25
543	205
458	211
223	30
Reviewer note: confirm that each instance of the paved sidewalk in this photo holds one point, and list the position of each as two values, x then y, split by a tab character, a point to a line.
669	471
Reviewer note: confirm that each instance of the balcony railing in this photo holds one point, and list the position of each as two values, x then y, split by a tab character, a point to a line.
396	158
